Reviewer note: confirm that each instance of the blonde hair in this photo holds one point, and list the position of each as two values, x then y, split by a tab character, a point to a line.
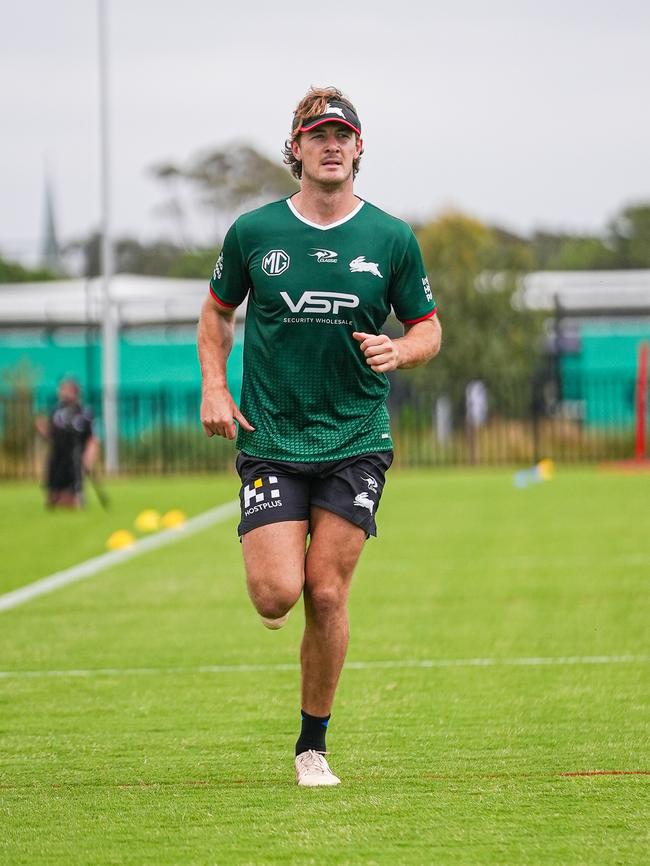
313	104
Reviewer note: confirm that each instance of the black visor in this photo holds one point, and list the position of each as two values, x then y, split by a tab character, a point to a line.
335	112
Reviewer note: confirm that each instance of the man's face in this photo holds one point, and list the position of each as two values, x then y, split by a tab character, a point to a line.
327	153
68	392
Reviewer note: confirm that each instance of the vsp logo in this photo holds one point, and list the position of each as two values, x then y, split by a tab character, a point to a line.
275	262
321	302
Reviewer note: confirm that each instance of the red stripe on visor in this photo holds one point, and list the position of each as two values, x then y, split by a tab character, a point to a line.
336	119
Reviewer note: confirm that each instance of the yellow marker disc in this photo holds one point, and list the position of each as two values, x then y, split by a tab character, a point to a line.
120	539
173	519
148	521
546	469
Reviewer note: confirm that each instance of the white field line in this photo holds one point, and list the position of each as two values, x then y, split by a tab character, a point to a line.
93	566
355	666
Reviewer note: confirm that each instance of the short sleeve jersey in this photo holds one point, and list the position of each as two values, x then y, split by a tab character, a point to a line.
71	426
307	388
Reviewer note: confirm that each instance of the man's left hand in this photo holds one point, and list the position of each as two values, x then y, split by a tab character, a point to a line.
382	353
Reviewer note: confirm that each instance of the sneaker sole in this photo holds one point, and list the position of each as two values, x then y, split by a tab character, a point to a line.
318	784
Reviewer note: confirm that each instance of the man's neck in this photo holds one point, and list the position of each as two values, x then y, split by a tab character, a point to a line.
324	206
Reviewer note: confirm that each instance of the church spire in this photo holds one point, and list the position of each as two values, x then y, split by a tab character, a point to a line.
50	252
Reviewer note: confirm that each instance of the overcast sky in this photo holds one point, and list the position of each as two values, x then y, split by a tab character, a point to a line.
523	112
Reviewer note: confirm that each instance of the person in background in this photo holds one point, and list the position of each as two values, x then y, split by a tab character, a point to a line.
73	447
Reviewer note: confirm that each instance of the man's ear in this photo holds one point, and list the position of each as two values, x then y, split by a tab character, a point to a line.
359	147
295	148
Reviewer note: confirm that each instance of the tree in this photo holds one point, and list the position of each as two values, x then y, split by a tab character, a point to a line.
567	252
12	272
582	254
224	182
474	271
160	258
629	237
623	245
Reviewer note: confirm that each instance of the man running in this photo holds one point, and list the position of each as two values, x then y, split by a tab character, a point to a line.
73	447
321	271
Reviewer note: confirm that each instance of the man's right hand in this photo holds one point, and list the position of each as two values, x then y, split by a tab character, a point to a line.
219	413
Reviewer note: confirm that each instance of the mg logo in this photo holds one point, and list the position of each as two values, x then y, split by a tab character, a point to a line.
275	263
320	302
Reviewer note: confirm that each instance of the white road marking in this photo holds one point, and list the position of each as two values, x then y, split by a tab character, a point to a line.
93	566
352	665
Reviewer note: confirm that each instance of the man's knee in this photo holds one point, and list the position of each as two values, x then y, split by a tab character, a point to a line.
326	600
273	600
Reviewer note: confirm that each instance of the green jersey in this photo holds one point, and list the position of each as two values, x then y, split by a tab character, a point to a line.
307	388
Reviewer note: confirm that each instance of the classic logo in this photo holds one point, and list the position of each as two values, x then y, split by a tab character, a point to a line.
275	262
320	302
332	109
254	494
324	255
359	265
427	288
370	481
363	501
218	268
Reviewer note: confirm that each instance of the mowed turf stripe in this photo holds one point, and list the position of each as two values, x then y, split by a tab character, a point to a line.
358	665
93	566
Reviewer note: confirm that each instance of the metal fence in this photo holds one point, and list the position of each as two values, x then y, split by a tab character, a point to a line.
518	423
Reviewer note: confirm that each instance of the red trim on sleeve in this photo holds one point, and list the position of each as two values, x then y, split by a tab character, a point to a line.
219	301
421	319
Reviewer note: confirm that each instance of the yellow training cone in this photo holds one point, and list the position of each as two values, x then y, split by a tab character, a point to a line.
120	539
546	469
173	519
148	521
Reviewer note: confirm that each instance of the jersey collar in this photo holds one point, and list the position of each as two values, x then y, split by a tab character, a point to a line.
340	222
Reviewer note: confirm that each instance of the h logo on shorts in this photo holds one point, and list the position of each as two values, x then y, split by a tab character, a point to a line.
255	492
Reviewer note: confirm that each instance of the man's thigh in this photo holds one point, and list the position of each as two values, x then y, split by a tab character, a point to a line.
334	550
274	558
273	529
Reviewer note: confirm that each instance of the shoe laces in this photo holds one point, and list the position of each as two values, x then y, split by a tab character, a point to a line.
314	762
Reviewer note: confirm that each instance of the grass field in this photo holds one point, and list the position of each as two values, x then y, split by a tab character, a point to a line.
495	708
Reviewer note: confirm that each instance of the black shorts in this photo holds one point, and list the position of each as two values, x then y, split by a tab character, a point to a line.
64	474
274	491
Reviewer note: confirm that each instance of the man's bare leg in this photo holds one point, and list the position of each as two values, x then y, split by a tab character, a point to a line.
332	555
274	557
278	572
335	547
63	499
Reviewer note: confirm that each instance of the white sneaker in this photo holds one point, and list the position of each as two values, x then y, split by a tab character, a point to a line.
274	623
312	770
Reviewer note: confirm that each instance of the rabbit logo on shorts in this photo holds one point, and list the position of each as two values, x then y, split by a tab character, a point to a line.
364	501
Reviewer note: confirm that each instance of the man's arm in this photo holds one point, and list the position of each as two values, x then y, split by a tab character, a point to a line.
42	425
90	452
215	338
420	343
